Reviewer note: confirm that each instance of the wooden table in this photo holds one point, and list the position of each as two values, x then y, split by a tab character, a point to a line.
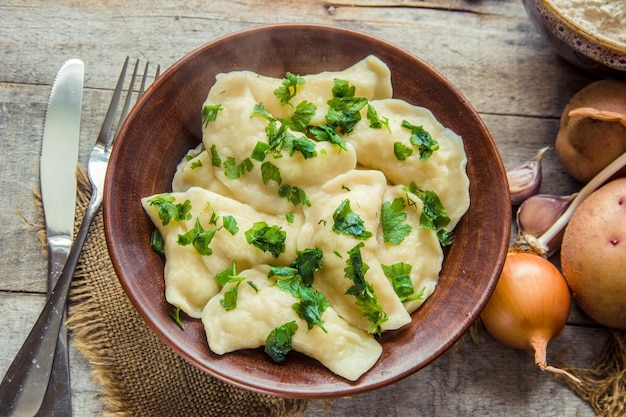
487	48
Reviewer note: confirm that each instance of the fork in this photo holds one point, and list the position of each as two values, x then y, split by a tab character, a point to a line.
24	385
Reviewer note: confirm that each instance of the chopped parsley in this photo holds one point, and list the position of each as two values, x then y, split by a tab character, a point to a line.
434	215
289	217
289	87
297	279
216	161
199	237
196	164
348	222
229	275
401	151
363	290
233	171
209	113
169	210
175	315
302	116
421	139
344	109
278	342
392	218
157	242
267	238
294	195
327	133
400	276
230	223
375	121
269	172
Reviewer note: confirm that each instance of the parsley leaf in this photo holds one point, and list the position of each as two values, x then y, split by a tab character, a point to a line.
294	195
434	215
344	110
209	113
302	116
301	144
229	302
278	342
401	151
289	88
168	209
399	274
196	164
392	221
269	172
157	242
421	139
230	224
216	161
175	315
267	238
348	222
327	133
297	280
308	262
363	290
234	171
375	121
199	237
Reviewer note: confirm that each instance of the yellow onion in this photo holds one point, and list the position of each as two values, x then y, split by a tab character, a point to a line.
529	306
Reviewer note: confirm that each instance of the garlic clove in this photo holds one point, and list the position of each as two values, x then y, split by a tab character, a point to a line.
525	180
537	214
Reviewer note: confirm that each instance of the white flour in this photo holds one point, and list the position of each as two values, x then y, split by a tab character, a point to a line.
606	18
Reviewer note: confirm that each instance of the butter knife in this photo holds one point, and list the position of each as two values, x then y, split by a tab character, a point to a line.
59	157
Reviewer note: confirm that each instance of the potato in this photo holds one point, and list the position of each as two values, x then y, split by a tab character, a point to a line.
593	255
585	145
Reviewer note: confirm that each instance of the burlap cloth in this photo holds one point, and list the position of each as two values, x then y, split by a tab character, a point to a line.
138	374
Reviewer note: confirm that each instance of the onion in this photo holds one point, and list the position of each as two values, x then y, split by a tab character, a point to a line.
529	306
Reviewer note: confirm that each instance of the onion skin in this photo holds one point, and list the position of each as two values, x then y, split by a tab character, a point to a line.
529	306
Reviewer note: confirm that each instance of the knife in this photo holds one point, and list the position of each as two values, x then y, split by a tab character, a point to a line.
59	157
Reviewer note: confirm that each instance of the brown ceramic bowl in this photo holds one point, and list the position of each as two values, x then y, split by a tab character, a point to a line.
166	123
592	52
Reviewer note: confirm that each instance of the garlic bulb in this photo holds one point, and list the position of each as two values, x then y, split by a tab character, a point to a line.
537	214
525	180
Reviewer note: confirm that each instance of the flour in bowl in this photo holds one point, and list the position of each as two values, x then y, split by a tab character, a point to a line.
605	18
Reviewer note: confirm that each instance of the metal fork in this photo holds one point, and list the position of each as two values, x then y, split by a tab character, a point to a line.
24	385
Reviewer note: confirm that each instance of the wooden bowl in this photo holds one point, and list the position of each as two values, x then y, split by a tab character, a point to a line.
166	123
586	49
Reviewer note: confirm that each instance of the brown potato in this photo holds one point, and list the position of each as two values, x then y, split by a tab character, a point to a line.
585	145
593	255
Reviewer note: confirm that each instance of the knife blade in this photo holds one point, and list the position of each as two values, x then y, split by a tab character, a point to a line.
59	158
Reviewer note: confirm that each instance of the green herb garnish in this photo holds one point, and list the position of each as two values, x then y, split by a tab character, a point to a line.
289	87
157	242
278	342
199	237
232	170
401	151
168	210
421	139
267	238
434	215
344	110
229	275
375	121
392	218
348	222
209	113
294	195
175	315
400	276
363	290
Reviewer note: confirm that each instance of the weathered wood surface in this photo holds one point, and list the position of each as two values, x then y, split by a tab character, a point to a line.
487	48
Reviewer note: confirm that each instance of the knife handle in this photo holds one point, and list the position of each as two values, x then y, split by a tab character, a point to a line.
58	399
